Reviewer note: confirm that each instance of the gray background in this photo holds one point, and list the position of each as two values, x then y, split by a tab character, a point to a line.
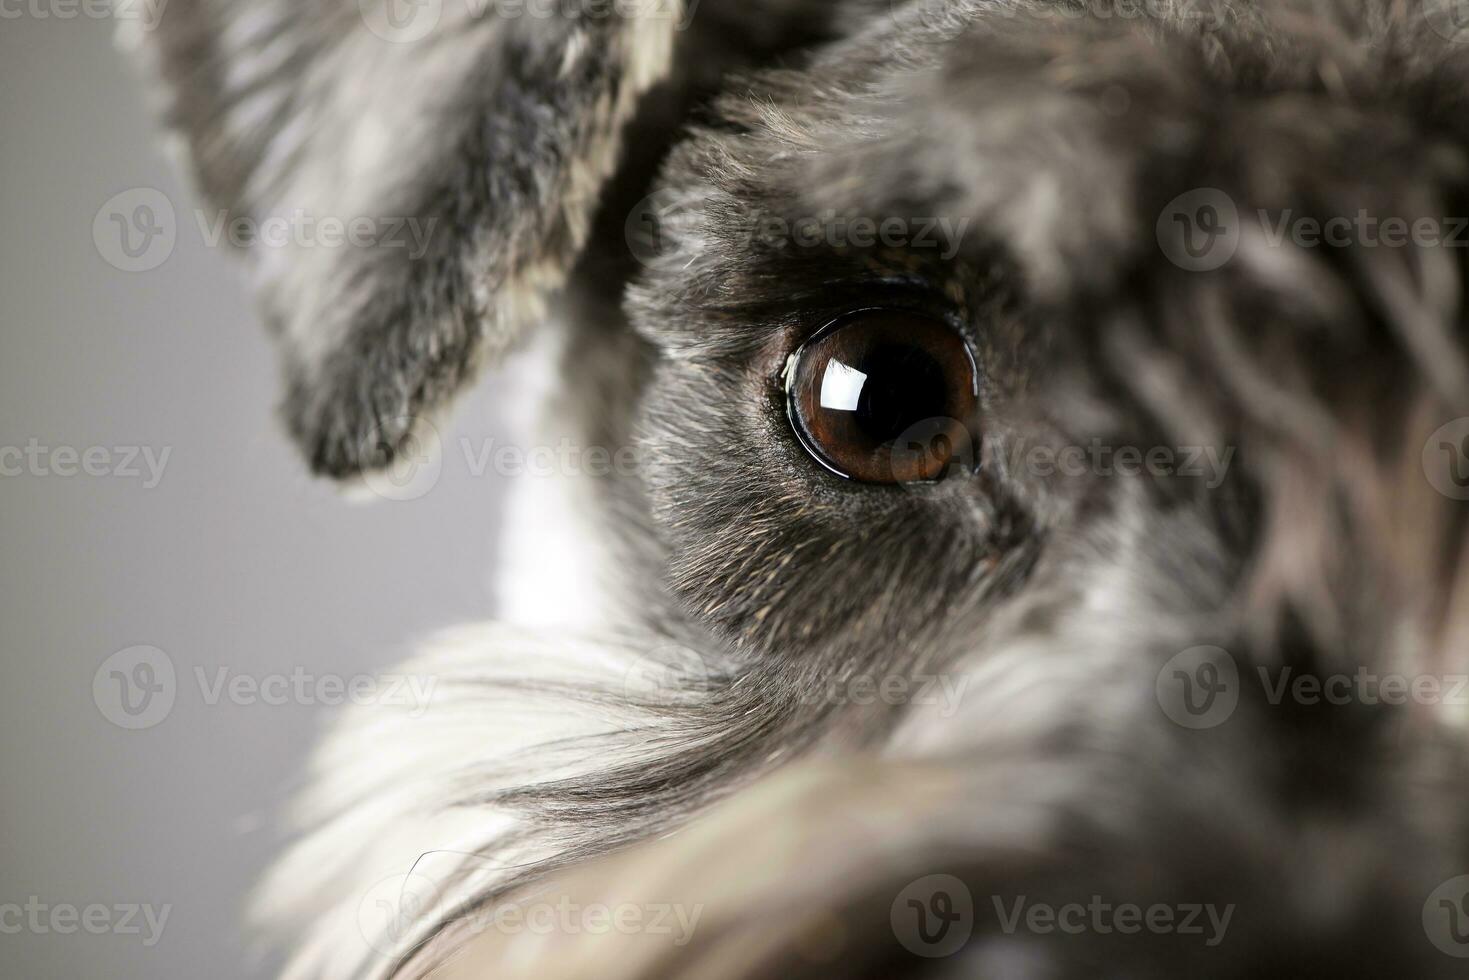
236	559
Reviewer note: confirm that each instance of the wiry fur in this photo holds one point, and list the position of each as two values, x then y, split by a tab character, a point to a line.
760	579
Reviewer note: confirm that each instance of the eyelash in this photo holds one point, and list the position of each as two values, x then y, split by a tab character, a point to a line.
818	310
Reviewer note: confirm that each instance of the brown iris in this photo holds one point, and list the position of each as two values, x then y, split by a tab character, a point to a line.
884	396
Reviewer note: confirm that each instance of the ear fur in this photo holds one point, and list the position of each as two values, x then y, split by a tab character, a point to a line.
466	147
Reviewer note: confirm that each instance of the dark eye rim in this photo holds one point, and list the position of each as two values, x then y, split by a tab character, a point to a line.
788	377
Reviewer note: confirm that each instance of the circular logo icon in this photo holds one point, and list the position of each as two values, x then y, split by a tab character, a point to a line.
651	225
669	674
1199	688
136	230
412	456
391	909
933	916
1199	231
135	688
1449	19
1446	917
936	448
1446	459
401	21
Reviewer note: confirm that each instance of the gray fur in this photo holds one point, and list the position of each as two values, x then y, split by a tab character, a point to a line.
796	820
496	134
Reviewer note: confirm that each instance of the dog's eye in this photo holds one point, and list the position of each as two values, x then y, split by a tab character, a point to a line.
884	396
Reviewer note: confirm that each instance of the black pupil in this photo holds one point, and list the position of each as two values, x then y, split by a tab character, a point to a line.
904	386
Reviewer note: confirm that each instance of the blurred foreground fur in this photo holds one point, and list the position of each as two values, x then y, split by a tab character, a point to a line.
784	821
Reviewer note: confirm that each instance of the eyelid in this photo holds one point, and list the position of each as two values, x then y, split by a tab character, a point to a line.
915	296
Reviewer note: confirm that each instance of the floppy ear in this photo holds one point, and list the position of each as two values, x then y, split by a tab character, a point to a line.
461	150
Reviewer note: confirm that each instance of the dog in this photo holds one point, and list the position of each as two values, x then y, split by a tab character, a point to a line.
1043	425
